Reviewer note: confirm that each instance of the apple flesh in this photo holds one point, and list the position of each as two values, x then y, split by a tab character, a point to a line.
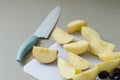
108	65
77	47
89	33
75	26
61	37
44	55
109	56
77	61
97	46
90	74
66	70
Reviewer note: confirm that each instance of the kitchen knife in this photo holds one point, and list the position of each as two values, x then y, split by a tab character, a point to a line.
43	31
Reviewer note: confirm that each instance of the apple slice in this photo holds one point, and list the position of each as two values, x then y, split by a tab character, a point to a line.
98	46
61	37
77	47
108	65
66	70
44	55
90	74
89	33
77	61
76	26
109	56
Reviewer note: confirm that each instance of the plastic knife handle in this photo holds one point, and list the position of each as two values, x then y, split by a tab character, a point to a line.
25	47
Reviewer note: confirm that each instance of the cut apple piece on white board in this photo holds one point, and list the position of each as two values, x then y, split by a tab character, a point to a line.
97	46
77	61
77	47
66	70
75	26
89	33
109	56
90	74
44	55
108	65
61	37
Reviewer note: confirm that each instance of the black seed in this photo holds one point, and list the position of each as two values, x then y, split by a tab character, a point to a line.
116	72
117	78
112	76
103	74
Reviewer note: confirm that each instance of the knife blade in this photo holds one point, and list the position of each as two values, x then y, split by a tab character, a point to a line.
43	31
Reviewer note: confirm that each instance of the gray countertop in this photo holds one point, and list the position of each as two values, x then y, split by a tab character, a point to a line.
20	18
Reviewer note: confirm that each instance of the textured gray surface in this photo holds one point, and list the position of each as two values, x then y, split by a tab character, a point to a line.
20	18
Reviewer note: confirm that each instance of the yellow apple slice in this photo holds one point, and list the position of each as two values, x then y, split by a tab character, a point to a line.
90	74
89	33
98	46
109	56
61	37
44	55
77	47
108	65
76	26
66	70
77	61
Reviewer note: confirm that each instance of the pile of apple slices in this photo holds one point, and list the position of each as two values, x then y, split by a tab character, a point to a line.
76	67
93	43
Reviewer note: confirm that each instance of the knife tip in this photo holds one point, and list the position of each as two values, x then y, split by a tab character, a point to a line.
58	7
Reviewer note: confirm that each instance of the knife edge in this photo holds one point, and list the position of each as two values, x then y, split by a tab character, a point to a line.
43	30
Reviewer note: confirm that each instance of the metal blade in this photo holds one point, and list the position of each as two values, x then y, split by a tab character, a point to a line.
48	24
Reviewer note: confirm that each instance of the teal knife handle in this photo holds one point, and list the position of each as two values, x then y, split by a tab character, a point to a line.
25	47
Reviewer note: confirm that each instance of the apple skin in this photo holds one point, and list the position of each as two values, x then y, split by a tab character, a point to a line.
44	55
77	47
75	26
90	74
61	37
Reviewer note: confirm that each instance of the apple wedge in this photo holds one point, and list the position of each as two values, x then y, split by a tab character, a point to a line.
109	56
90	74
44	55
75	26
89	33
66	70
61	37
108	65
77	47
97	46
77	61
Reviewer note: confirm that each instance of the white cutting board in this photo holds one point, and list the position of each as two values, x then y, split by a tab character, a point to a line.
46	71
50	71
